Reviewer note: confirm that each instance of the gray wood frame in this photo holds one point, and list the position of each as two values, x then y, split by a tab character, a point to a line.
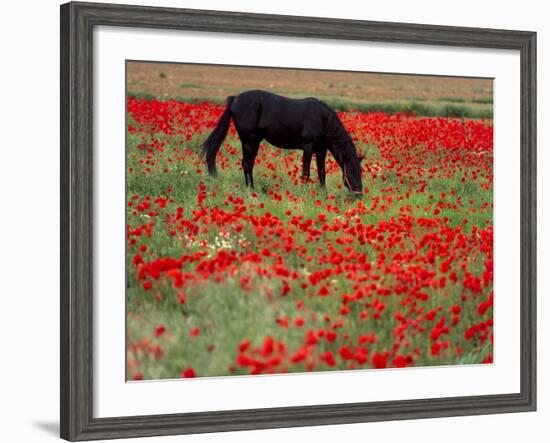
77	23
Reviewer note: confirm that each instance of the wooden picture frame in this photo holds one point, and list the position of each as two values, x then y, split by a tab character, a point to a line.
77	23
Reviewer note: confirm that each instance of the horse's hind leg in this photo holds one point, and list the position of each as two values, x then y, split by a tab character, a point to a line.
320	157
250	150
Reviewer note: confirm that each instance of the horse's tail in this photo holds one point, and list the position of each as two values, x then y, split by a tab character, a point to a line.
211	146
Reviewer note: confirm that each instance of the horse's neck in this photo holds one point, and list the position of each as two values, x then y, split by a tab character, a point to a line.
340	159
337	134
340	141
337	131
342	148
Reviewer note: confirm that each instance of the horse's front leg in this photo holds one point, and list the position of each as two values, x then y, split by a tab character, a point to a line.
320	157
250	150
306	161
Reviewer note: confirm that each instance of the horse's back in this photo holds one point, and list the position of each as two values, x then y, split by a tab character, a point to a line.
282	121
273	102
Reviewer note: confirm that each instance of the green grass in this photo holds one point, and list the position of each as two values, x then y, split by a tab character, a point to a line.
484	101
190	85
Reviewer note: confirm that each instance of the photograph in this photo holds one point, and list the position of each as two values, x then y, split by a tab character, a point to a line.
283	220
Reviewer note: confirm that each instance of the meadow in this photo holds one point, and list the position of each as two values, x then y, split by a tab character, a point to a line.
291	277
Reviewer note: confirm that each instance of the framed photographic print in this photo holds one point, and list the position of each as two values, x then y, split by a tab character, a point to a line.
272	221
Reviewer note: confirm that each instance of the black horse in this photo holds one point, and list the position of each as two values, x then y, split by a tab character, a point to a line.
307	124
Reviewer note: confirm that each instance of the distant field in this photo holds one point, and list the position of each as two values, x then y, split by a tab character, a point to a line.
425	95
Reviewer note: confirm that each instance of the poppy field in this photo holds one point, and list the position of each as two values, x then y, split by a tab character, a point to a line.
292	277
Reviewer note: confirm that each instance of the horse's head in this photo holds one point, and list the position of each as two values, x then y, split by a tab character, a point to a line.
352	175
